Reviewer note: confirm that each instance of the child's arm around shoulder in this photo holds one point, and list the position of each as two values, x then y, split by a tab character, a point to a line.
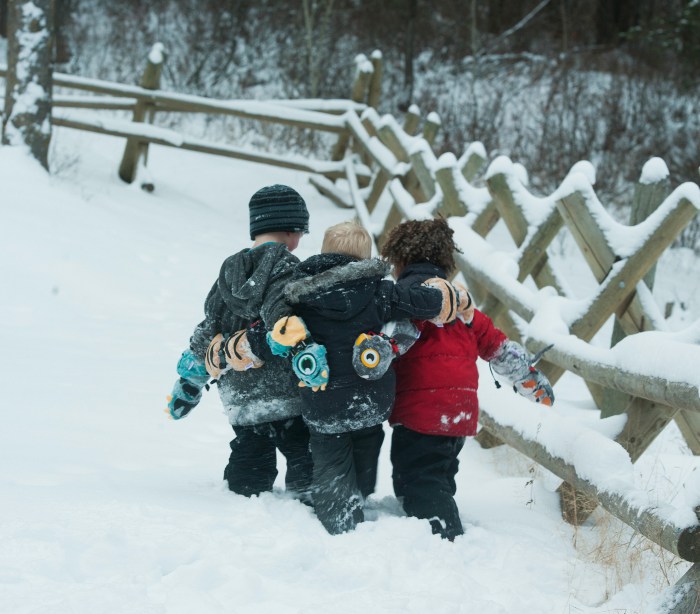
404	301
274	304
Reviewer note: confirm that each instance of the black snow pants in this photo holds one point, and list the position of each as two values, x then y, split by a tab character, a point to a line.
345	473
252	466
424	469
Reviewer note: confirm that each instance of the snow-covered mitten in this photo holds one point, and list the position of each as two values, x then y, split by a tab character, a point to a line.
535	387
187	390
465	304
373	352
215	358
449	299
290	337
310	365
183	399
402	333
515	363
286	334
372	355
239	356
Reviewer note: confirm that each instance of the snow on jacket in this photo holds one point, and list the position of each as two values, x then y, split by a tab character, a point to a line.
339	297
437	379
251	287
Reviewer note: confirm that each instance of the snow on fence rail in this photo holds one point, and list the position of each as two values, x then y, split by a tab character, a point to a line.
146	99
388	172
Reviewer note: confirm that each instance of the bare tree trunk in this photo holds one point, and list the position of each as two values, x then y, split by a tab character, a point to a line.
3	18
474	27
27	119
317	25
409	50
564	27
614	17
62	10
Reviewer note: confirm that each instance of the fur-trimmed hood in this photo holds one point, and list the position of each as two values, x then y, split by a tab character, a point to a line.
335	284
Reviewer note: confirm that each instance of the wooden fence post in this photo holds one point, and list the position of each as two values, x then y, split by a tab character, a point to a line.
363	73
649	193
684	597
446	175
518	226
375	83
412	120
422	161
619	285
472	161
136	152
431	127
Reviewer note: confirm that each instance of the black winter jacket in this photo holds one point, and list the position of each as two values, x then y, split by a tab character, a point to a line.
340	297
250	287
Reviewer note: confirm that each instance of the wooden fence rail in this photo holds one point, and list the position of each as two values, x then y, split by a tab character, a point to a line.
170	101
146	100
169	138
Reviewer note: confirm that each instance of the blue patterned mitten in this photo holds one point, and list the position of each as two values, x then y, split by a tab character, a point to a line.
187	391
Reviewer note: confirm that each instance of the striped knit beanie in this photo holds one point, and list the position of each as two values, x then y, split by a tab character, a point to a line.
277	207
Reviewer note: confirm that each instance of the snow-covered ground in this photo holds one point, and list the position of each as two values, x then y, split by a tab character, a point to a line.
108	506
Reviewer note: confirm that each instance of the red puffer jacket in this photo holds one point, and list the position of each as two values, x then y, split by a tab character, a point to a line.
437	379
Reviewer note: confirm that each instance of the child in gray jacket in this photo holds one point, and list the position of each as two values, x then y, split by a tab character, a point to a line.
262	402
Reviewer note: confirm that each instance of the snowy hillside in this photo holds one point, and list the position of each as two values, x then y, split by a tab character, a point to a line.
108	506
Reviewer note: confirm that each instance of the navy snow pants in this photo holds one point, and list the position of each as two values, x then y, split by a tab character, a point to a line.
345	473
424	469
252	466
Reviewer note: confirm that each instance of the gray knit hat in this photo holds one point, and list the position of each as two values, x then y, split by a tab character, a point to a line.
277	207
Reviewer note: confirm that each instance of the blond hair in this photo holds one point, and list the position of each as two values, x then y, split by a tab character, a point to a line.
347	238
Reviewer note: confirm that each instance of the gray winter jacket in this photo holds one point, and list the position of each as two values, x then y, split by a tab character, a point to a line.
251	287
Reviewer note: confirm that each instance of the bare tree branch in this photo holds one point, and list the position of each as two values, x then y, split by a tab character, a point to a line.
518	26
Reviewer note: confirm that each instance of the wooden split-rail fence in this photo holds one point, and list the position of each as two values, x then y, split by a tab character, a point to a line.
387	172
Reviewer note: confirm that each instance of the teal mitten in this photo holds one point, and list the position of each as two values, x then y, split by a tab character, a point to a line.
187	391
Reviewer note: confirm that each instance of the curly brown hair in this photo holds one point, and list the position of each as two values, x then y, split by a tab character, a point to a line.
421	241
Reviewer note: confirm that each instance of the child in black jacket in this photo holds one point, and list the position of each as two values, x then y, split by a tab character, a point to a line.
339	294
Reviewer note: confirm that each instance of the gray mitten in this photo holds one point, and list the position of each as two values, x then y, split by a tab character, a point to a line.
374	352
515	363
403	333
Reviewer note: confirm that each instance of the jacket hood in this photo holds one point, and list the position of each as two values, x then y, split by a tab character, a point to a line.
420	271
336	285
244	277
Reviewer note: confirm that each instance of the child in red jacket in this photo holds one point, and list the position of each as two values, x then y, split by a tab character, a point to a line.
436	403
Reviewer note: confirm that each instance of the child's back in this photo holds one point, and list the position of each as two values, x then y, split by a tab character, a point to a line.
438	378
250	287
339	297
